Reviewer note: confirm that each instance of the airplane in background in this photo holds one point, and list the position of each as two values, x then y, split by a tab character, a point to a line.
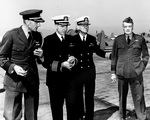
72	32
146	36
104	41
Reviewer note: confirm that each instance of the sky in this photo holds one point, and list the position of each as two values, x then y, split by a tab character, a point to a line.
104	15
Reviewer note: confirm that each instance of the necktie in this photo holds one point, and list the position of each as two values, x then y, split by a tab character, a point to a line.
83	39
30	37
128	40
62	38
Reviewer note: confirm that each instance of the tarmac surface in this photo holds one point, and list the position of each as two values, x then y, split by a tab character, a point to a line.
106	95
44	112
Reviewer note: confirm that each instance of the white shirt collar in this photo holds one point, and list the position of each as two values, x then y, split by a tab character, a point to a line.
81	36
25	30
59	35
130	36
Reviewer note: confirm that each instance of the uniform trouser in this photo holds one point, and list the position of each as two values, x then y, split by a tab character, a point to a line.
137	91
86	80
13	105
60	91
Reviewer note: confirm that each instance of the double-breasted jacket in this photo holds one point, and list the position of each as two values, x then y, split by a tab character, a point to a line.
55	52
84	51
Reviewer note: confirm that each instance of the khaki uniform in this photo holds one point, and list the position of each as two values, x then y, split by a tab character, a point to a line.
128	63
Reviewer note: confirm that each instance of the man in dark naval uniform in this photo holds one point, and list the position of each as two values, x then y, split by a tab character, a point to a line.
84	72
59	62
129	59
19	50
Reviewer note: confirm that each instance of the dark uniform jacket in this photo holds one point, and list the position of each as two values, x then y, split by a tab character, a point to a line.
16	50
129	61
84	52
55	52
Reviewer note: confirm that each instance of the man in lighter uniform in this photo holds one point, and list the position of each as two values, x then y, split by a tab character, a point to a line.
128	61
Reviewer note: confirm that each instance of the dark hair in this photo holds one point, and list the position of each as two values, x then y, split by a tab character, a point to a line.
128	20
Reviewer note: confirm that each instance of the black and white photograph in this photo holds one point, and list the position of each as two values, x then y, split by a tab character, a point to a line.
74	60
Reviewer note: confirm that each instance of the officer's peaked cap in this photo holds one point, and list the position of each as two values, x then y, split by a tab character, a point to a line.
32	14
84	20
61	20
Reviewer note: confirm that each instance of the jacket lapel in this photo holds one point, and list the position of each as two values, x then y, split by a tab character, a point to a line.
133	39
32	42
79	38
57	38
22	37
124	41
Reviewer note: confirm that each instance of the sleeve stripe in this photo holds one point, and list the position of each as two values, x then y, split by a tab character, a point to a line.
54	66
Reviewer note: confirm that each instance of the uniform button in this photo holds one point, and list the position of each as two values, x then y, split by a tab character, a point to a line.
88	60
80	60
88	66
87	53
81	67
59	55
81	54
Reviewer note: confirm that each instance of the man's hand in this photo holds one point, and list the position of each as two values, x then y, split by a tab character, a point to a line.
19	70
72	61
38	52
113	78
69	63
66	64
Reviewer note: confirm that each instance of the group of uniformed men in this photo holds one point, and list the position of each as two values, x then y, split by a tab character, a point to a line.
71	72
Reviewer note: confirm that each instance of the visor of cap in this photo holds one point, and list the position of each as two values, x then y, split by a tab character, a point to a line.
37	19
63	23
83	23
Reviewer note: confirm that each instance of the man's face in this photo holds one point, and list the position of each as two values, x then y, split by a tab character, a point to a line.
127	28
84	28
61	29
33	25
